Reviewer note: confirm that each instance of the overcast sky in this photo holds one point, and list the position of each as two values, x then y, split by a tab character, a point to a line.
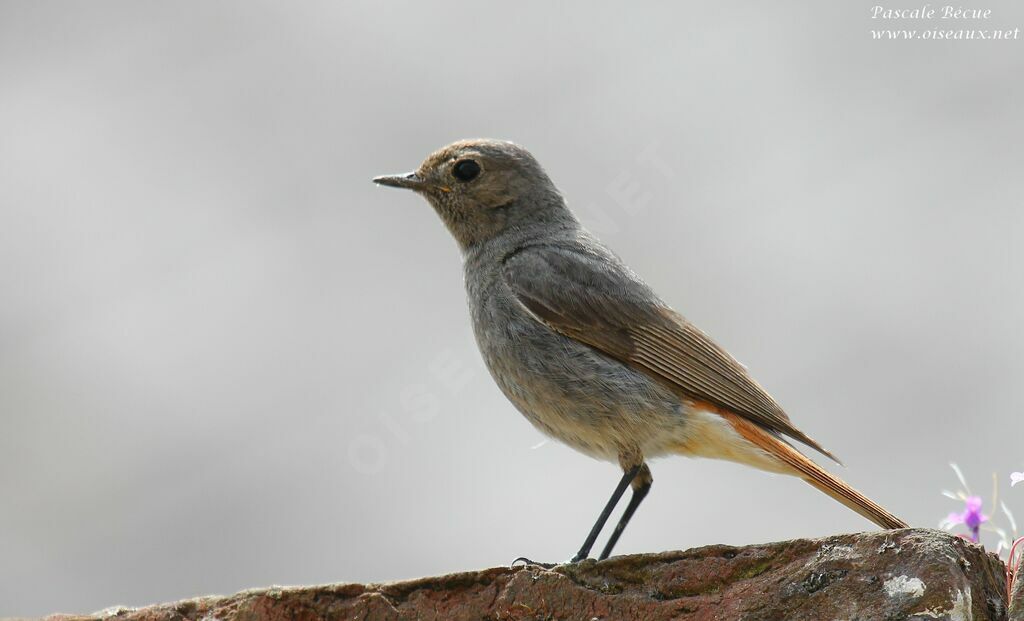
227	360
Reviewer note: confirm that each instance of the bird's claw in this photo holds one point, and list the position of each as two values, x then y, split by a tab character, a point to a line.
527	562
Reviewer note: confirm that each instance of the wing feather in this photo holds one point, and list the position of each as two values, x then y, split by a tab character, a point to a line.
589	295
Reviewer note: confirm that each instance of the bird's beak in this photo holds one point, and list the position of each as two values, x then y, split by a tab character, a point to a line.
410	181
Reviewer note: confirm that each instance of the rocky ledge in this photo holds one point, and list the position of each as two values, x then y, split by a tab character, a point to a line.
893	575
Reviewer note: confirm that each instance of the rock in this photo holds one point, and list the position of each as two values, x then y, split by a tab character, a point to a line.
1017	607
891	575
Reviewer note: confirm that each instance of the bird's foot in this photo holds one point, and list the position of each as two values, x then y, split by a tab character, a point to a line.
527	562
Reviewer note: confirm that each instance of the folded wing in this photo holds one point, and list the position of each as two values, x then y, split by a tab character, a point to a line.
592	297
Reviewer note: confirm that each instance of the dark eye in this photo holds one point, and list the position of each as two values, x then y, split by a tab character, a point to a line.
466	170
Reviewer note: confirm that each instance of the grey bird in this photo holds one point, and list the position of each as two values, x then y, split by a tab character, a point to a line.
586	350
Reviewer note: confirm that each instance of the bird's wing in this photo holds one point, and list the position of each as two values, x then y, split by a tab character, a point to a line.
592	298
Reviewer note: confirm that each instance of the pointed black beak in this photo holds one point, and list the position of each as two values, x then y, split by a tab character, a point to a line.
409	181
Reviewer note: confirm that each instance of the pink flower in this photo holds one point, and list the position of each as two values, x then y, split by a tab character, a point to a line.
971	517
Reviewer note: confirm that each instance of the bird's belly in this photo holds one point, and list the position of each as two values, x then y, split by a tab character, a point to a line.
578	395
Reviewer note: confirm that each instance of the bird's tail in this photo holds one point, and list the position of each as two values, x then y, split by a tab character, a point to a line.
811	472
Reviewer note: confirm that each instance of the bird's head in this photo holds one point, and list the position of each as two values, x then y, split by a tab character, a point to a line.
482	188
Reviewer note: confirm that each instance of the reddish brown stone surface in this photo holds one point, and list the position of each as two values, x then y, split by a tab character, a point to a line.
880	576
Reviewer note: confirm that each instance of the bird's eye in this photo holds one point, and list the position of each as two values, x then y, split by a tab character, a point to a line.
466	170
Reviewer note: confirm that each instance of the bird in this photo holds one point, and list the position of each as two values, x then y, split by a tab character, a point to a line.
586	350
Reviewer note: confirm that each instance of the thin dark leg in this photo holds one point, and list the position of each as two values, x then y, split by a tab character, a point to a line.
638	496
620	489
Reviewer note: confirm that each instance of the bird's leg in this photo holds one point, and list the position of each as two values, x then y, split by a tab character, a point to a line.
641	485
627	478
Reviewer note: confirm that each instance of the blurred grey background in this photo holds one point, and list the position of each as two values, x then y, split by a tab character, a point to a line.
228	360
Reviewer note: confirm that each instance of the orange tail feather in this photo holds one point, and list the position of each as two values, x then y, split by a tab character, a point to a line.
811	472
